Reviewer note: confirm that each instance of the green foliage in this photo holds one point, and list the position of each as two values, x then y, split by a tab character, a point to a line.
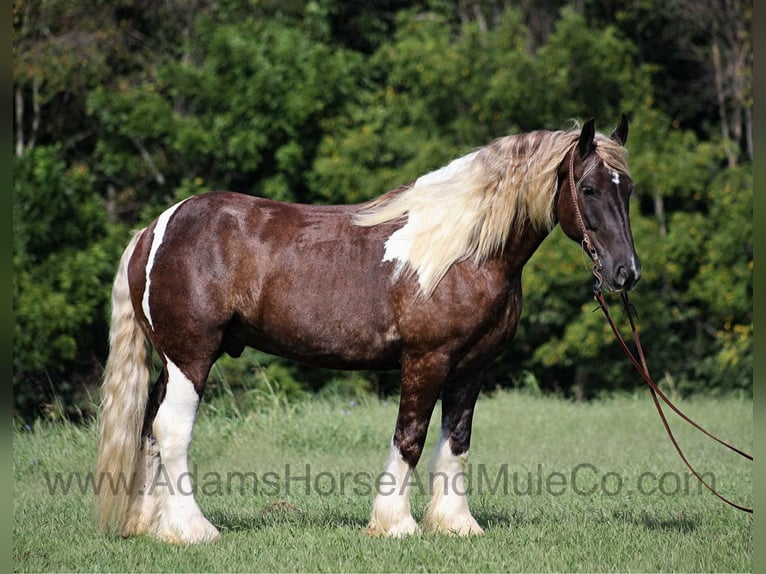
63	263
127	109
593	68
253	382
712	295
241	111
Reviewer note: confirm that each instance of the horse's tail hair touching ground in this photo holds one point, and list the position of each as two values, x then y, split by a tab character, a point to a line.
124	394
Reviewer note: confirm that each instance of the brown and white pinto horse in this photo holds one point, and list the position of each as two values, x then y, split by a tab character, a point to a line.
426	279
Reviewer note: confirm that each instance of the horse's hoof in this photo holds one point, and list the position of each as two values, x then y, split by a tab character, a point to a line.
189	533
405	527
465	526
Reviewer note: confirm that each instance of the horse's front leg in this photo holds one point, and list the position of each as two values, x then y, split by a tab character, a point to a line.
421	384
448	509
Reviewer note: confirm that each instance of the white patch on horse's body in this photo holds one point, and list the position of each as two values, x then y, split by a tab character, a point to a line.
448	509
615	178
391	514
179	518
157	238
399	244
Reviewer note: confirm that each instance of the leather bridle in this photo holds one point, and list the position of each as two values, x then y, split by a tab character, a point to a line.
586	242
638	359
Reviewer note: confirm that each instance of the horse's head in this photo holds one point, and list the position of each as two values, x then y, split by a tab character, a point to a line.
592	204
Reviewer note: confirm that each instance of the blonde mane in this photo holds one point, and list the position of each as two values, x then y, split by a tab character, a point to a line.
469	207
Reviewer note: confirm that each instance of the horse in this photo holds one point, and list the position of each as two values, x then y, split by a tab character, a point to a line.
425	279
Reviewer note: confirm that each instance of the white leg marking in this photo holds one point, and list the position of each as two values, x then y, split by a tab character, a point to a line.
180	520
448	509
391	514
159	234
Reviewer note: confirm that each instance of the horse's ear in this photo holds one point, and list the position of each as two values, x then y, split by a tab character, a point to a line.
585	144
620	134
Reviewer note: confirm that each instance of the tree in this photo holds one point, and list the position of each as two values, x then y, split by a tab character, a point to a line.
702	53
241	112
62	268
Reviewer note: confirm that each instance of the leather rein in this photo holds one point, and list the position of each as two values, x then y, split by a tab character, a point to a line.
638	359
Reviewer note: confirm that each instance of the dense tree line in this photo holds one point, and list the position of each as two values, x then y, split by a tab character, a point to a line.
124	107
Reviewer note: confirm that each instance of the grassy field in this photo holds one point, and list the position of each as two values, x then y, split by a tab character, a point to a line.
557	486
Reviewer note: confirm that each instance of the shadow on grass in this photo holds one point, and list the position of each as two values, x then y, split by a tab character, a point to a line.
680	524
649	521
490	518
281	513
520	518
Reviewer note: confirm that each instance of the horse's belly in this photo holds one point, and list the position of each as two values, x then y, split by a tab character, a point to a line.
326	353
320	337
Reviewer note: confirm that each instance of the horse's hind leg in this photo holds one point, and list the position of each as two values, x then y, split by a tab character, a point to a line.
391	515
178	519
448	509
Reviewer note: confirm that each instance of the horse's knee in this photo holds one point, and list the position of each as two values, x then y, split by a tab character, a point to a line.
410	442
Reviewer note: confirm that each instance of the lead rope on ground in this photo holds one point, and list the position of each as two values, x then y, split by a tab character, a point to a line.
641	366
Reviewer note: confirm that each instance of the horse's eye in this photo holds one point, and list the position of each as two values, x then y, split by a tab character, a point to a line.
588	191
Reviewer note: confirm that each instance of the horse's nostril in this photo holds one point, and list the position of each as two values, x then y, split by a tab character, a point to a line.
623	278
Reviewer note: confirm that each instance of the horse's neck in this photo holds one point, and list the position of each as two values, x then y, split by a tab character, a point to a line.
521	246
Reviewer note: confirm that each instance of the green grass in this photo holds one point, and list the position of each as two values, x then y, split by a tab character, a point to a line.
586	525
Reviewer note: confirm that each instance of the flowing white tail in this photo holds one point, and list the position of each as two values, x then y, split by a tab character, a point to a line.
124	395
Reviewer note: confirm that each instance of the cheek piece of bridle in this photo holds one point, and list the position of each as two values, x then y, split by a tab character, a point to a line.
638	359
